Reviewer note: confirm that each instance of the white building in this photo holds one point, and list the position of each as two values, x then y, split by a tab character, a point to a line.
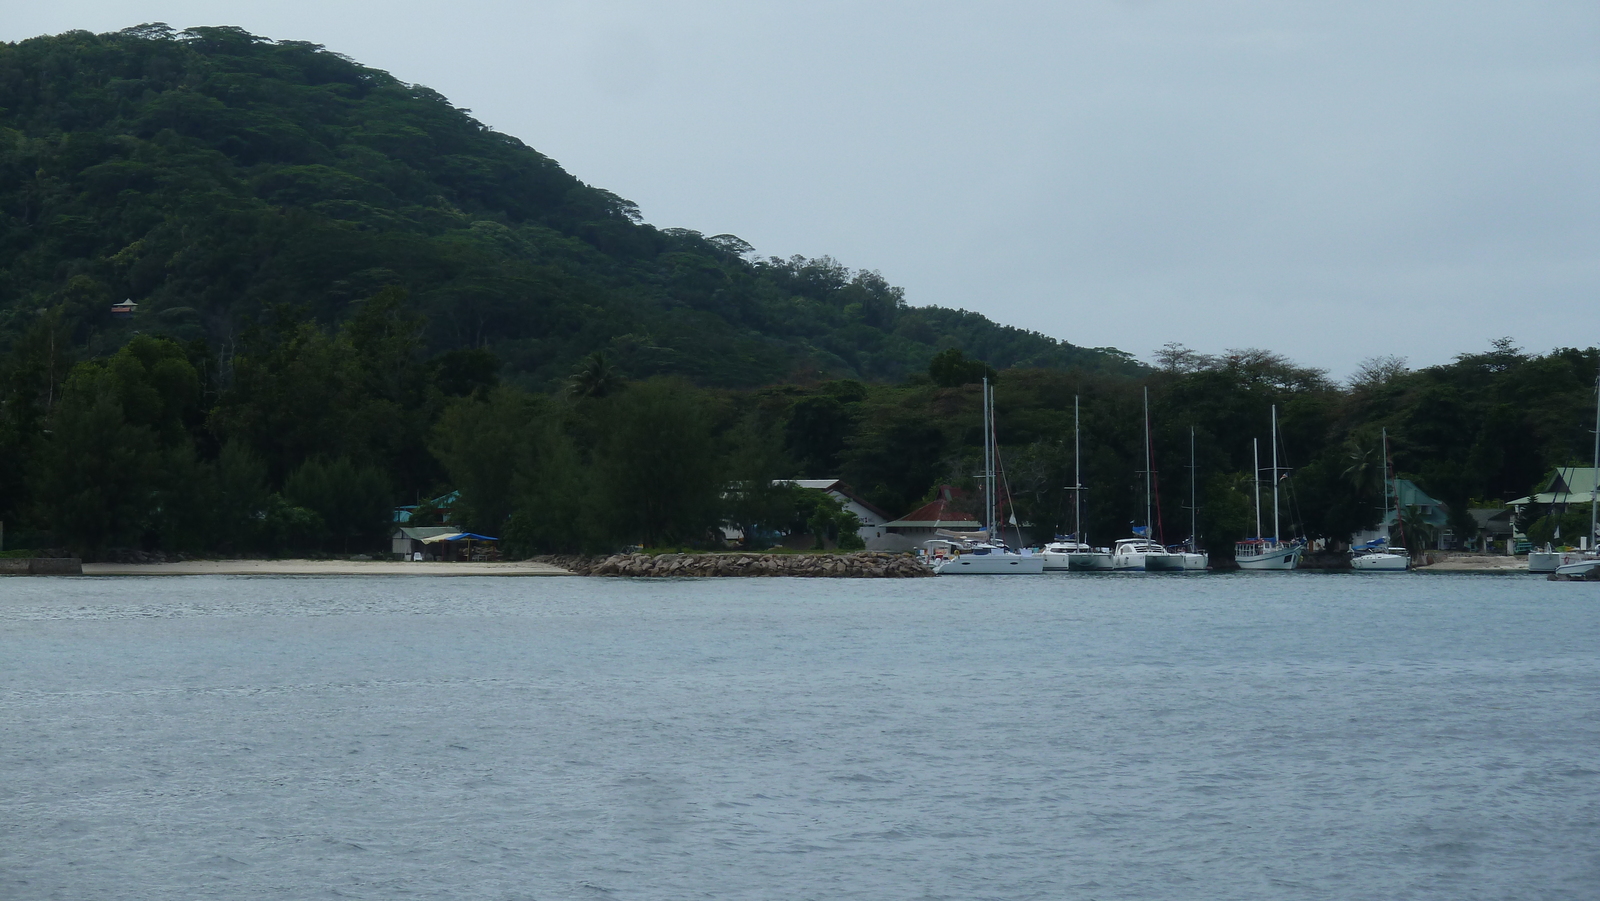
872	519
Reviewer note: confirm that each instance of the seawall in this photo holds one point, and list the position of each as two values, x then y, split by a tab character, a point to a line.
41	566
861	565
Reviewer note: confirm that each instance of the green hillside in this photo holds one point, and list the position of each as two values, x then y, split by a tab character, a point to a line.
351	295
212	175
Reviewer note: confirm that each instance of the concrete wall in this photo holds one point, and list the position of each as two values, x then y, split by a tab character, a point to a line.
41	566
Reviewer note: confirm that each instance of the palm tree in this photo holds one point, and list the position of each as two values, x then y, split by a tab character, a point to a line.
1364	473
594	378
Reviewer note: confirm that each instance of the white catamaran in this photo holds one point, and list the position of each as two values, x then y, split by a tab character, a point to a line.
1073	552
1142	553
1259	553
986	554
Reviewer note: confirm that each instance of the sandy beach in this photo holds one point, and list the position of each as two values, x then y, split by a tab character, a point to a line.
320	568
1464	563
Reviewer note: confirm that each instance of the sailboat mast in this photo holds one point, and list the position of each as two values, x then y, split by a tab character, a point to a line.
1077	477
1386	479
988	465
1147	519
1390	482
994	470
1194	534
1275	532
1255	478
1594	486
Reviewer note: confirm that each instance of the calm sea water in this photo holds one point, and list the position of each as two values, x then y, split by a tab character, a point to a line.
1262	736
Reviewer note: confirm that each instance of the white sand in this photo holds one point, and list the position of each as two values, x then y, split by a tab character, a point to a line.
1476	563
320	568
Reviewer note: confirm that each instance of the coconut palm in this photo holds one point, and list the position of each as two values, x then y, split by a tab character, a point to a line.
595	377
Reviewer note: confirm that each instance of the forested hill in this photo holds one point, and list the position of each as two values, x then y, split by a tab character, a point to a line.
213	176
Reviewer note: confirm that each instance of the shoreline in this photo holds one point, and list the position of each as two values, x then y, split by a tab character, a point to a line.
322	568
618	565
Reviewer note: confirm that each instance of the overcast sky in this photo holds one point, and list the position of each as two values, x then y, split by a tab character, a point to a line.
1334	180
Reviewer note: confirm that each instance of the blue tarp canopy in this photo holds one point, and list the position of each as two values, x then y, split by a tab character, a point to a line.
459	536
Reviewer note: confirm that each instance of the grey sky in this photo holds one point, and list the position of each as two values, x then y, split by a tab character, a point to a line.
1334	181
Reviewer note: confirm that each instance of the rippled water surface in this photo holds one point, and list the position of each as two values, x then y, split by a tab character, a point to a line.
1206	736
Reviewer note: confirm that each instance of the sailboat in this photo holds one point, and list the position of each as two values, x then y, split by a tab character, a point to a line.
1376	556
986	553
1073	552
1192	559
1259	553
1586	563
1142	553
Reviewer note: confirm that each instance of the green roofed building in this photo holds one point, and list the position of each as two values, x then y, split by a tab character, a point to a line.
1567	485
1430	512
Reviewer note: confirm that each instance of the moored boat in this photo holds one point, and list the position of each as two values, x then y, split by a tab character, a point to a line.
1139	555
1258	554
1058	554
982	558
1545	561
1583	569
1071	552
1376	556
1188	560
1098	560
983	553
1381	560
1188	557
1262	554
1583	563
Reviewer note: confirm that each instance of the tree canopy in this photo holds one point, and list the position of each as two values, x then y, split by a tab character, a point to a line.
217	178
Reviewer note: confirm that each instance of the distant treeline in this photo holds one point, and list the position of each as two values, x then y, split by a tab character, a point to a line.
301	438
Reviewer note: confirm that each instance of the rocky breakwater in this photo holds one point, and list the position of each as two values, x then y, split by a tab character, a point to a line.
863	565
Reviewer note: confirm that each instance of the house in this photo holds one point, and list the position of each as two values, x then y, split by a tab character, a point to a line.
123	310
872	519
1431	512
408	540
1494	526
442	503
949	510
1566	485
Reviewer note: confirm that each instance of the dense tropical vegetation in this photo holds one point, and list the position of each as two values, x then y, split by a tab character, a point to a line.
352	295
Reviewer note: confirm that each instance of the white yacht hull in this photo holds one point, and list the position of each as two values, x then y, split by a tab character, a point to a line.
1181	562
1077	561
1147	562
1163	563
1582	567
1567	563
1091	561
1139	555
992	565
1543	561
1279	559
1381	563
1128	562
